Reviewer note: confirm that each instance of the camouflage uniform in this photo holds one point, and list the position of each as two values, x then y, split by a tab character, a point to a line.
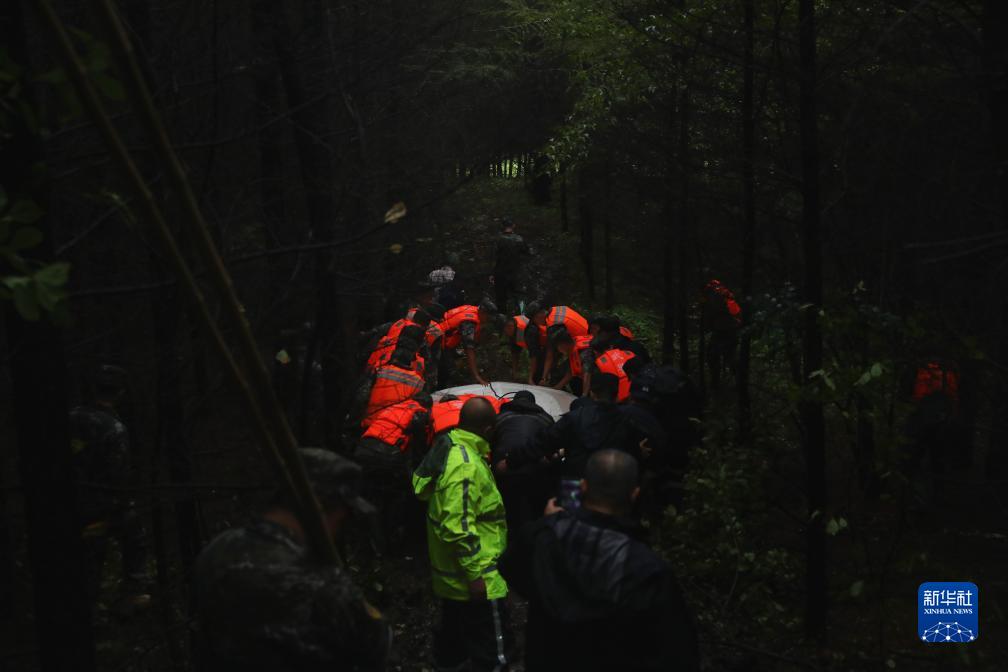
103	466
508	254
265	603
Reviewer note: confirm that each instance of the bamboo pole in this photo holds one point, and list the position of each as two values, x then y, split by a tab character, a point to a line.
283	454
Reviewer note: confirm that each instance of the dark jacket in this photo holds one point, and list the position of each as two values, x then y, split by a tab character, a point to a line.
599	597
588	427
518	422
263	603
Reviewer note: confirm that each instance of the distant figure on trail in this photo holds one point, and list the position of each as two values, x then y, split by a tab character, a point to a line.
105	475
265	602
510	250
514	333
721	317
466	534
934	426
556	321
462	327
599	598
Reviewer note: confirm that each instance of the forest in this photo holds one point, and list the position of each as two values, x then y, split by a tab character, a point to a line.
215	202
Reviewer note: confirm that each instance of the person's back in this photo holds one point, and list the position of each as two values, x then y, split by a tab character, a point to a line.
599	597
526	490
265	603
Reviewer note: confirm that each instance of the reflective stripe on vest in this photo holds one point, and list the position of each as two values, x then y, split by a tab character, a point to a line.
612	361
453	319
392	385
389	424
581	343
576	324
520	322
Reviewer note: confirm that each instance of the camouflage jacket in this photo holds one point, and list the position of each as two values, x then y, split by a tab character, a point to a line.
264	604
100	445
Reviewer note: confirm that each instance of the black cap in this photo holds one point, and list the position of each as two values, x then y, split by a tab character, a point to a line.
532	308
335	479
524	395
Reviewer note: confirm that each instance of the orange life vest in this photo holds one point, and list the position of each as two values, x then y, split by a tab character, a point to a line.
392	385
612	361
453	319
734	309
389	425
445	414
521	324
581	343
387	343
570	318
933	379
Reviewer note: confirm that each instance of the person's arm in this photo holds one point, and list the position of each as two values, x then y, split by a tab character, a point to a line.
359	633
547	365
459	503
546	443
467	332
563	381
534	349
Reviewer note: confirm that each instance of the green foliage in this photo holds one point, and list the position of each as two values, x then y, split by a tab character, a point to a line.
34	287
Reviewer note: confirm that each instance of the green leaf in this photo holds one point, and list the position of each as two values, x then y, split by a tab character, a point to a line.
857	588
876	370
24	301
865	377
25	212
832	527
54	275
24	238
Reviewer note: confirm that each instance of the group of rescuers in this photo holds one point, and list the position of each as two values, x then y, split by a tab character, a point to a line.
509	499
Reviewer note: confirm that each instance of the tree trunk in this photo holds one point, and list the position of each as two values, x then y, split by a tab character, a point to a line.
586	224
748	231
41	419
564	223
318	177
685	238
670	310
607	250
811	410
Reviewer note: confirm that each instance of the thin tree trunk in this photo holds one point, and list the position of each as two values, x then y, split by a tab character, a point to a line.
811	410
670	309
62	611
607	250
748	230
318	176
564	223
586	225
685	238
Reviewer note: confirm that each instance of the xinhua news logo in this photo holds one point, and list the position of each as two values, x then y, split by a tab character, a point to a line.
948	612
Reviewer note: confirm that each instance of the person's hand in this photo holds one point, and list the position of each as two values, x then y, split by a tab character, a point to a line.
531	381
543	381
477	590
552	507
645	448
481	380
559	386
